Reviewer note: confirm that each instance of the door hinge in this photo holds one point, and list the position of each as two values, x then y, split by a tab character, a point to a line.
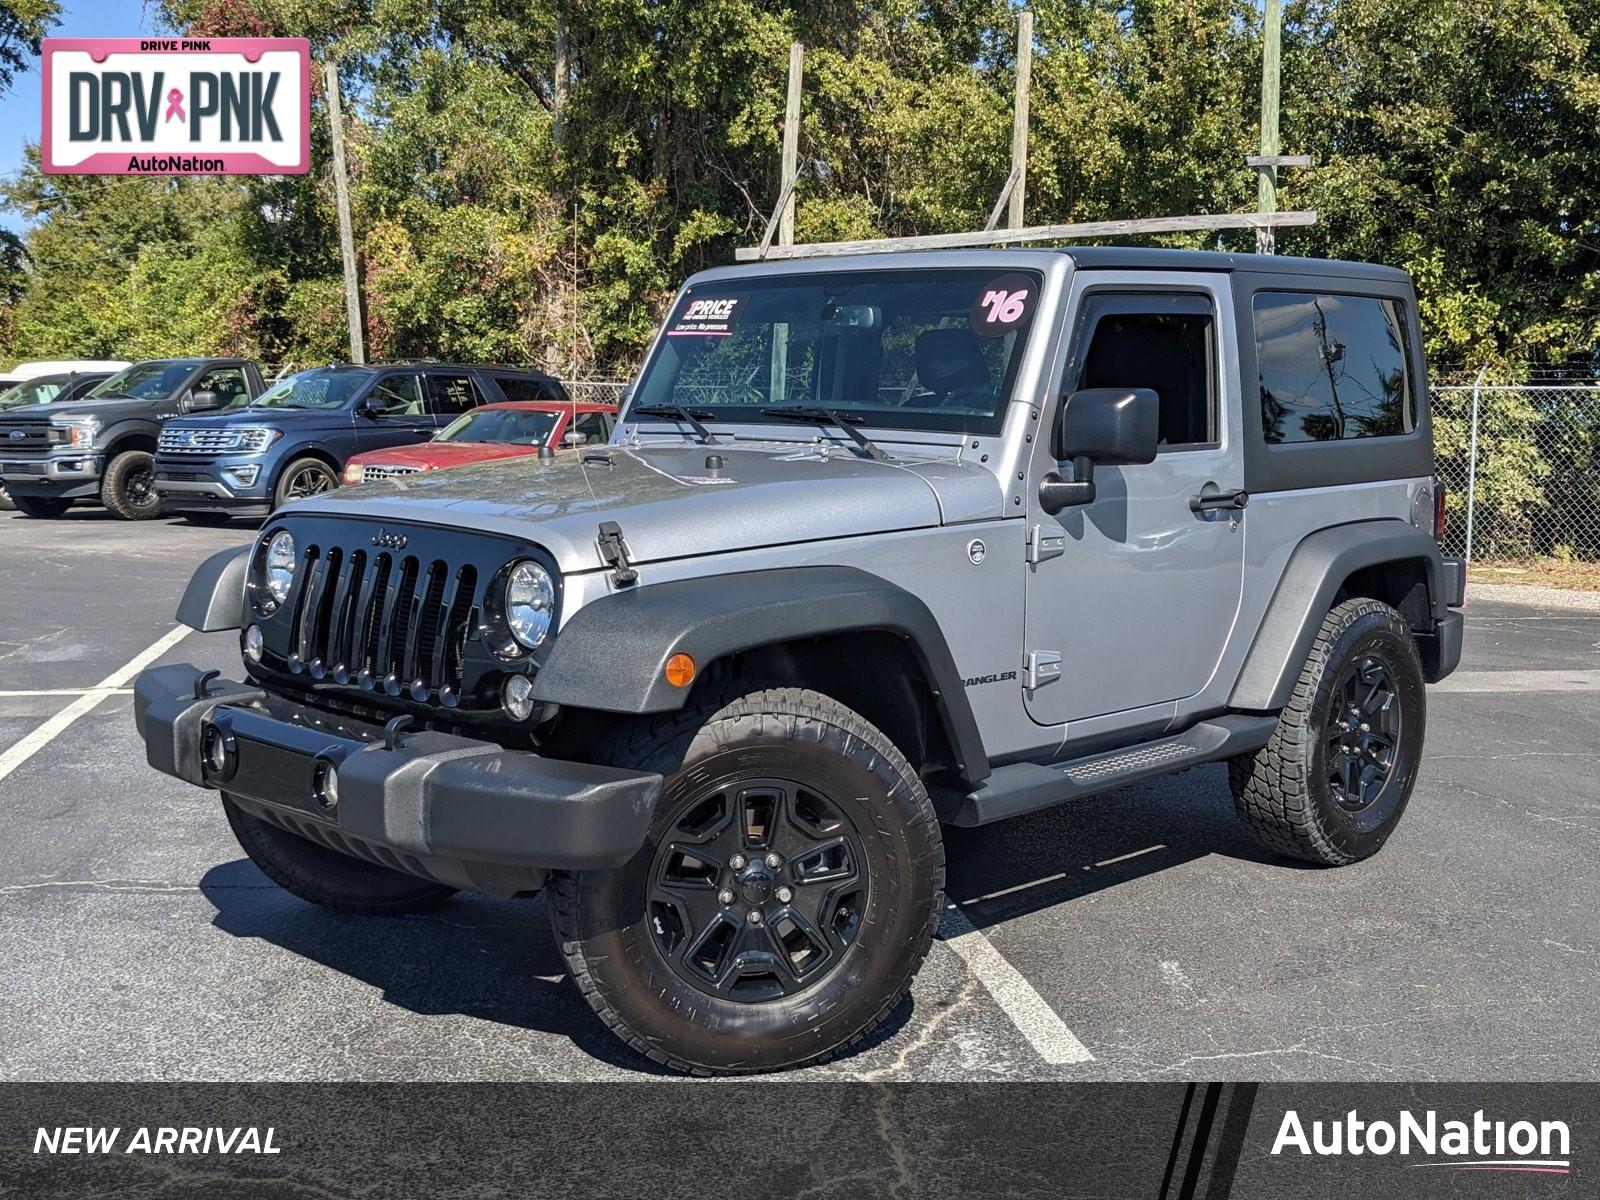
1045	543
615	553
1040	667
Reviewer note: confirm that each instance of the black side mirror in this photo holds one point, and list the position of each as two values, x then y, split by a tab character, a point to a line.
196	402
1100	425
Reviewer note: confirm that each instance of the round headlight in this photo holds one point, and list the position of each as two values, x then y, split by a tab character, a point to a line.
530	603
280	565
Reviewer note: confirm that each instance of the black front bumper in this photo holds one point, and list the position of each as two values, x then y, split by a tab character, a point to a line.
466	813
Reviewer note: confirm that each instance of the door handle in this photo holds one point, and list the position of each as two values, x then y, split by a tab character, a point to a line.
1217	501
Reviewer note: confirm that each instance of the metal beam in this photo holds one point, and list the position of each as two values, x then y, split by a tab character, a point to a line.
1037	233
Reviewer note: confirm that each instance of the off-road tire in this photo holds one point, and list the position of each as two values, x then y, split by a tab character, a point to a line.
1282	792
115	487
599	917
327	878
284	491
40	506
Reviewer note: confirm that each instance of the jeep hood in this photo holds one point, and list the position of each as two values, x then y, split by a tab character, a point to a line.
671	505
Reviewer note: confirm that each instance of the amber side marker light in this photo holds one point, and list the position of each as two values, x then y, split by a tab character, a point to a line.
680	670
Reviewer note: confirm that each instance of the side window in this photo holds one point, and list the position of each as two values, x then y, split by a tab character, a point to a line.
453	395
397	396
227	382
594	428
1332	367
520	387
1163	343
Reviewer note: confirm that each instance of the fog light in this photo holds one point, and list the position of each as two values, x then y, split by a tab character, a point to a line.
325	785
218	753
244	476
517	697
252	643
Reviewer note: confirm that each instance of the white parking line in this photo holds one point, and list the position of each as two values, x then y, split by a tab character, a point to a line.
1559	680
37	739
26	695
1034	1019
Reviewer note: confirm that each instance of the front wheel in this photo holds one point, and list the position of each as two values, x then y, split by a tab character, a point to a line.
1331	785
129	486
786	893
304	477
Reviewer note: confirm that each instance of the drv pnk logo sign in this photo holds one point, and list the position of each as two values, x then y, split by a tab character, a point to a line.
177	106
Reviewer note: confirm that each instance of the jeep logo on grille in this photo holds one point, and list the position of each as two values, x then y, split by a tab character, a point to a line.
389	541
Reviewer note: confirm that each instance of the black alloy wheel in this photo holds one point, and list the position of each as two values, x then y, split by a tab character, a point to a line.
1363	734
758	890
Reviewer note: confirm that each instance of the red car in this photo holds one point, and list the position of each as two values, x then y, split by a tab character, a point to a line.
510	429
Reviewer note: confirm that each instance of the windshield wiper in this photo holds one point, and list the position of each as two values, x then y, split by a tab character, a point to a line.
688	416
830	416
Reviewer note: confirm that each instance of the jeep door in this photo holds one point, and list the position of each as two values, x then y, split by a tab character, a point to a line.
1136	591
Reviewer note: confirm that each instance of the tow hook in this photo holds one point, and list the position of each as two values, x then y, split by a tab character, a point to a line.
393	730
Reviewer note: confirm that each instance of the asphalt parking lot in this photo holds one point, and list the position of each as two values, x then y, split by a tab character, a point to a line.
1139	935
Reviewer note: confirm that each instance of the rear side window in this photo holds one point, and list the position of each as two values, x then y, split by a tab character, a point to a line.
453	394
520	387
1333	367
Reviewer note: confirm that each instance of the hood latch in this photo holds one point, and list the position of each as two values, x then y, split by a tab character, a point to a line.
614	550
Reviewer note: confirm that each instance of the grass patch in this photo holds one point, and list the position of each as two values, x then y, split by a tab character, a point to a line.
1540	572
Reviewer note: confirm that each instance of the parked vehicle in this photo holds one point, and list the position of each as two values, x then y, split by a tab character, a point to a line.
513	429
25	371
46	389
293	441
890	541
103	446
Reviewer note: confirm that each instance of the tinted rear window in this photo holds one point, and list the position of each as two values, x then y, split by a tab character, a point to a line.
520	387
1333	367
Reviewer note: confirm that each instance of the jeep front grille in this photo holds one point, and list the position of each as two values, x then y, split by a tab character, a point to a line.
390	623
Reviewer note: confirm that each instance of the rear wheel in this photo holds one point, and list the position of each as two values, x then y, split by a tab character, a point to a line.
786	893
40	506
1331	785
325	877
304	477
129	486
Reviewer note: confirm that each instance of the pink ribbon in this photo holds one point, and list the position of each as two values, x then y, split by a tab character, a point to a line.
175	105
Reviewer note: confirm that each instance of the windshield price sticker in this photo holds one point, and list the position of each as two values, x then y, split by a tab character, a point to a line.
711	316
1004	304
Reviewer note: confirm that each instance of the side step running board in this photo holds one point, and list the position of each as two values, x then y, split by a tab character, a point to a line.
1024	787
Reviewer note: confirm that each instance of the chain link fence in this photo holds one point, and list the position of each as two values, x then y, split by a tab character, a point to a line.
1522	465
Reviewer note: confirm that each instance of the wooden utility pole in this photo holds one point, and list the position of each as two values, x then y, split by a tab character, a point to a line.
1019	119
347	241
1267	174
791	143
562	81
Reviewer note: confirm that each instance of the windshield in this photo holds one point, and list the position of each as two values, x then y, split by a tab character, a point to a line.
924	349
35	392
507	426
320	388
145	381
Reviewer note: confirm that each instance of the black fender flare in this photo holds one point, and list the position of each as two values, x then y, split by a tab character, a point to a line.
611	654
1311	579
214	599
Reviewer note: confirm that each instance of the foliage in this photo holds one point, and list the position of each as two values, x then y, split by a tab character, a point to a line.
1454	140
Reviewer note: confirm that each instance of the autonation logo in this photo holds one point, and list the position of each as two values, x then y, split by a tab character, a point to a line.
1476	1145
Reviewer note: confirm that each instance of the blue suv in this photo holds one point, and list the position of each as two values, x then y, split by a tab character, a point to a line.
293	440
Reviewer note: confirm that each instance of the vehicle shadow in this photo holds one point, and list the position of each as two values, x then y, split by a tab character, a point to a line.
474	956
1013	868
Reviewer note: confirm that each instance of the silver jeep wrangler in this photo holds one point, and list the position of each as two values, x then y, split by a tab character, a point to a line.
881	542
